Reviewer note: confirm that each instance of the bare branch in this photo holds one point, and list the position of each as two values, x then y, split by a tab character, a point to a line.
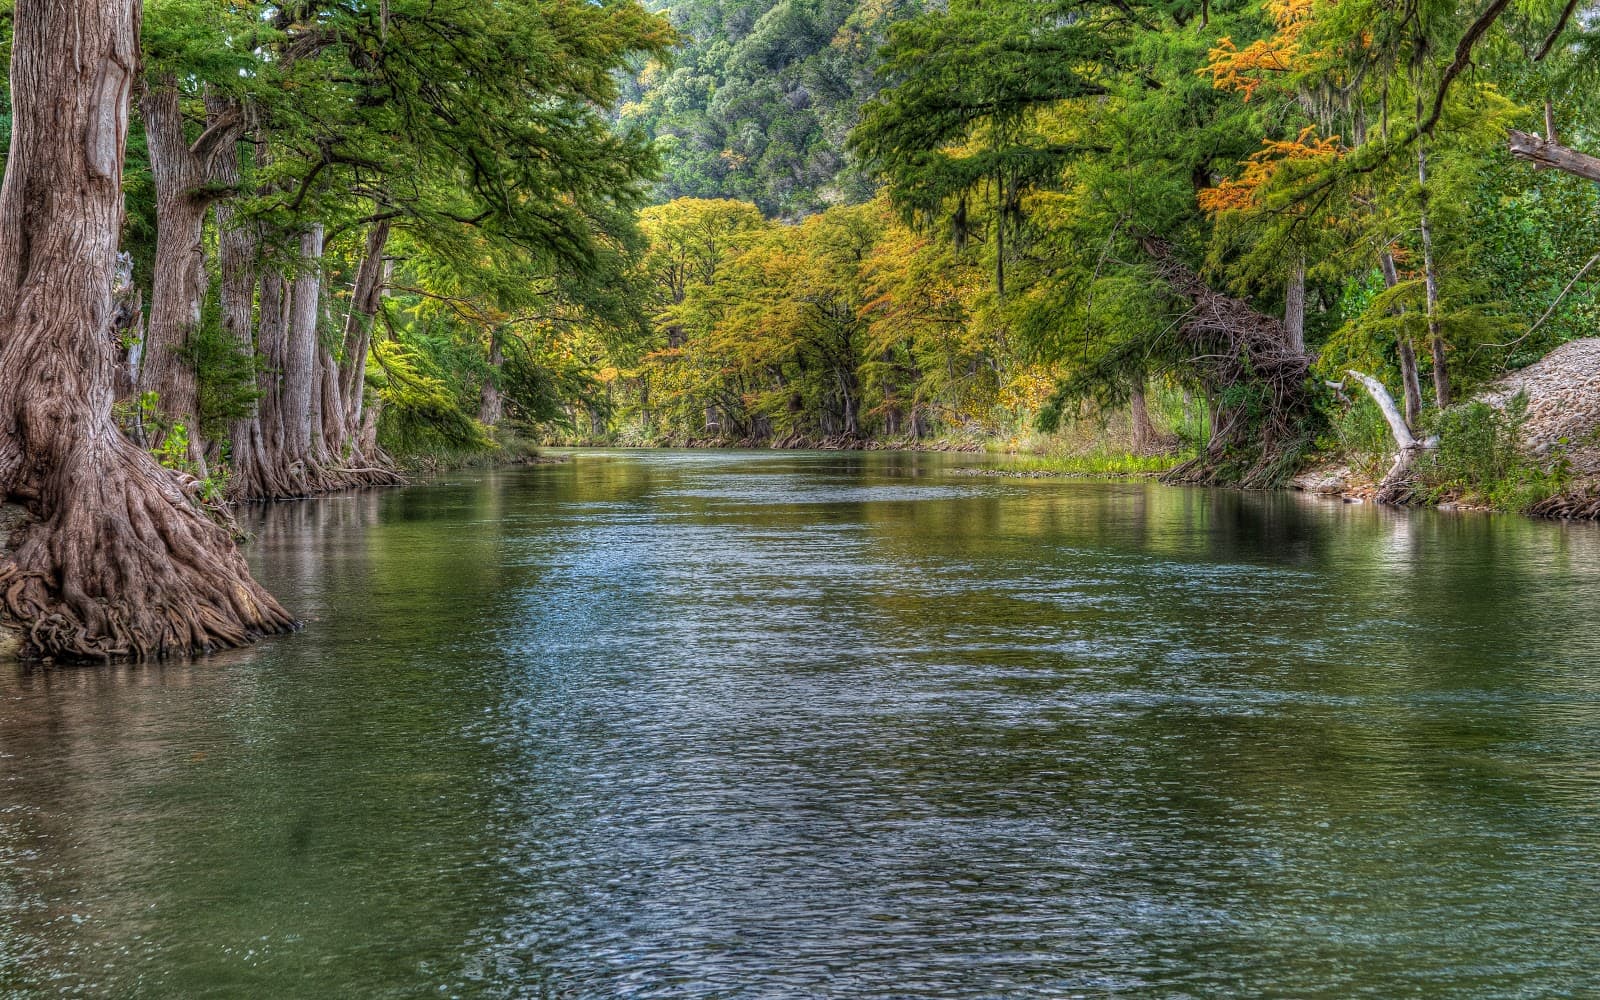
1546	154
1555	33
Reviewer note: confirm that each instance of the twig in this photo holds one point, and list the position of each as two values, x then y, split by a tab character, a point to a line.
1548	312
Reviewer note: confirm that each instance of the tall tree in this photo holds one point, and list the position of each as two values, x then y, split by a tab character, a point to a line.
118	560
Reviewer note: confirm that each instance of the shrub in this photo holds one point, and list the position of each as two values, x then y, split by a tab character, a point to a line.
1480	459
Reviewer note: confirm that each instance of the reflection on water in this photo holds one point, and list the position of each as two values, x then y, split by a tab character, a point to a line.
775	725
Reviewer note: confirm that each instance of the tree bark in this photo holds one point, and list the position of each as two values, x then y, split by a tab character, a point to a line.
491	407
1144	432
1441	370
1294	308
1547	154
1411	383
365	299
259	469
238	242
301	399
186	185
118	561
1394	487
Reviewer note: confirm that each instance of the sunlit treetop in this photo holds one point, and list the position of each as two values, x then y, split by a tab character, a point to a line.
1245	70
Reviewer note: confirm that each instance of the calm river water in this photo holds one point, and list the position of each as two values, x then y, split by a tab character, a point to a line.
796	725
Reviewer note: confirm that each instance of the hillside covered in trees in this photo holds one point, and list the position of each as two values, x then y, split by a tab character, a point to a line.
343	239
758	101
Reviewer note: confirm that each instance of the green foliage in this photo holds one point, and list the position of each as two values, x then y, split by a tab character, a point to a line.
420	412
225	375
759	100
1106	464
1360	435
173	452
1043	166
141	418
1480	459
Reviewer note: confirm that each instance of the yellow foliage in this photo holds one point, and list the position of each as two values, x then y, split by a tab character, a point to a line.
1244	70
1262	167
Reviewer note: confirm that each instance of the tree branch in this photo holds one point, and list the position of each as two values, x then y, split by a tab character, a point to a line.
1555	33
1546	154
1463	59
1380	395
224	129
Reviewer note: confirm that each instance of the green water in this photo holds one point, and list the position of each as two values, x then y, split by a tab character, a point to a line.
792	725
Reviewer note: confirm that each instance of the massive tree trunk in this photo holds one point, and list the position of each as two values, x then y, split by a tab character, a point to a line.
238	242
301	398
311	432
186	185
258	441
117	560
281	453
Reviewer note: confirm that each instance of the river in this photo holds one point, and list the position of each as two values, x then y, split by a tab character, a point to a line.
711	724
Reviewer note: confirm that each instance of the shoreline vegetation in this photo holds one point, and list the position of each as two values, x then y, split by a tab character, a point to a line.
271	250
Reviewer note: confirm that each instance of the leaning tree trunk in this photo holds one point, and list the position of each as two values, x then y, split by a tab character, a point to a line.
118	561
350	430
1396	487
186	184
365	300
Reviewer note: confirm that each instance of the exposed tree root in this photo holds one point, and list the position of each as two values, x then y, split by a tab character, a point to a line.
302	478
1576	506
125	566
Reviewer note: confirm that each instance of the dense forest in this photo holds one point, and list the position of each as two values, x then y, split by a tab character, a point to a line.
306	246
1245	232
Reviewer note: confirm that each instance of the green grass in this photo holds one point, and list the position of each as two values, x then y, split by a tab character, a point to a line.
509	448
1097	463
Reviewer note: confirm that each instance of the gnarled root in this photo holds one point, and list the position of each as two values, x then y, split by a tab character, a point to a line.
273	478
1579	505
124	566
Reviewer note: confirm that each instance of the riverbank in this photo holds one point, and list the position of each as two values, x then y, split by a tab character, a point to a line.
1527	443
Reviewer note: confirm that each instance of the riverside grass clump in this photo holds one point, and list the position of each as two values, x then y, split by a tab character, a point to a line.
1099	442
1480	460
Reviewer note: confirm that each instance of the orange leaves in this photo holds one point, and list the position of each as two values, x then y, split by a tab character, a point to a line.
1263	167
1245	70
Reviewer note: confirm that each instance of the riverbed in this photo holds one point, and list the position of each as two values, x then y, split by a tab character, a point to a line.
717	724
